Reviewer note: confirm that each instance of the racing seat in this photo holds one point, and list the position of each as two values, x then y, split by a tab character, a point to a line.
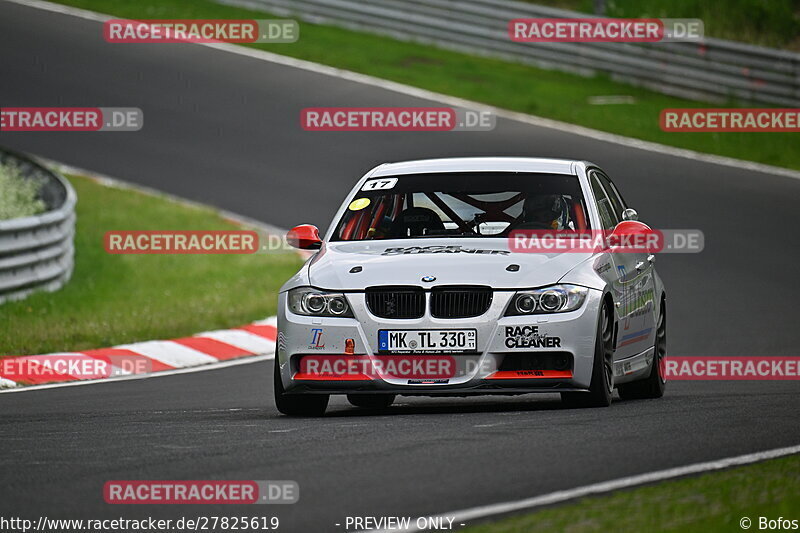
415	221
578	216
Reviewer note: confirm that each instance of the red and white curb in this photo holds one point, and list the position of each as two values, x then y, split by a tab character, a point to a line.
209	347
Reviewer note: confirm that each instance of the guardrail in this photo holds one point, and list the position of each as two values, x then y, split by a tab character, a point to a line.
36	252
714	70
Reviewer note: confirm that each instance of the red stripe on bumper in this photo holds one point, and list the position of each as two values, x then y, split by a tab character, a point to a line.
531	374
308	376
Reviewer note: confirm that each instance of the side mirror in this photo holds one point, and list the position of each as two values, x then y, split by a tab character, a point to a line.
630	214
305	237
633	236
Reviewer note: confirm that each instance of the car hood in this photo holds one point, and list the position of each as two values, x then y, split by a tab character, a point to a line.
451	262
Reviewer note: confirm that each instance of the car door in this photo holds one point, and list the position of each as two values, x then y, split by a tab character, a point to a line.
632	279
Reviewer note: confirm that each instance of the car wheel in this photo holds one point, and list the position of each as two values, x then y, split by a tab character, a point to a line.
602	384
654	384
371	401
297	404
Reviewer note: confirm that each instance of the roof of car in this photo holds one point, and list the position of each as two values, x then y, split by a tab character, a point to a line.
478	164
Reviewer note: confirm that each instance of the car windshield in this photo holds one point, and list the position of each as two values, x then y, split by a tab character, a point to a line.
477	204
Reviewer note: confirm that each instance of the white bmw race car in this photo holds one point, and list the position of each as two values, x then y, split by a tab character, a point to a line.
473	276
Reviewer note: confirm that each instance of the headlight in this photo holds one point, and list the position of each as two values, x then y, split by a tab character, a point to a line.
555	299
314	302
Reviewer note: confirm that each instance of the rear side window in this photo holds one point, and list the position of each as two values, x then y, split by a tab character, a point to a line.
607	216
613	194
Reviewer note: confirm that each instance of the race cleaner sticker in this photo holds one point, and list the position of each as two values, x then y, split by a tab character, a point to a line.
529	337
450	249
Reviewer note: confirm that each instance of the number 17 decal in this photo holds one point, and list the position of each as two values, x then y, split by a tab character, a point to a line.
379	185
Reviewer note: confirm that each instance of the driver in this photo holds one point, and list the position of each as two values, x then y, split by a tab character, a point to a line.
545	211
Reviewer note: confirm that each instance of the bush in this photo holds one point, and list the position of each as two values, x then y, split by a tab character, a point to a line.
19	196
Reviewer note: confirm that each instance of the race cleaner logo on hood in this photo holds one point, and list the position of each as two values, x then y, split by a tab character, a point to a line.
450	249
529	337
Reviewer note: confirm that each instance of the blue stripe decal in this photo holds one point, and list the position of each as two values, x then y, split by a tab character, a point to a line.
637	334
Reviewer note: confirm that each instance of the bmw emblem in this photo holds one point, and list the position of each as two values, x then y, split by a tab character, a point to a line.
428	279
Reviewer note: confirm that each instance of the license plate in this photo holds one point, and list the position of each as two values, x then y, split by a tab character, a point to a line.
427	341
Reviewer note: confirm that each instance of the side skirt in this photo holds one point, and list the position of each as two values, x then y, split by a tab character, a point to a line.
633	367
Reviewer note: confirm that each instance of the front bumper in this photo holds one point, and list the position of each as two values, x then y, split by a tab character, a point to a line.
504	362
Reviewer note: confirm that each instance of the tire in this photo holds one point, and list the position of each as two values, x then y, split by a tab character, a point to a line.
297	404
654	384
371	401
602	384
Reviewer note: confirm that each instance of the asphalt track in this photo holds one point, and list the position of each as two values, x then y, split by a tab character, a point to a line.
224	129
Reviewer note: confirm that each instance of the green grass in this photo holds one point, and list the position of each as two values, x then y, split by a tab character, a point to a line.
709	503
774	23
507	85
115	299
